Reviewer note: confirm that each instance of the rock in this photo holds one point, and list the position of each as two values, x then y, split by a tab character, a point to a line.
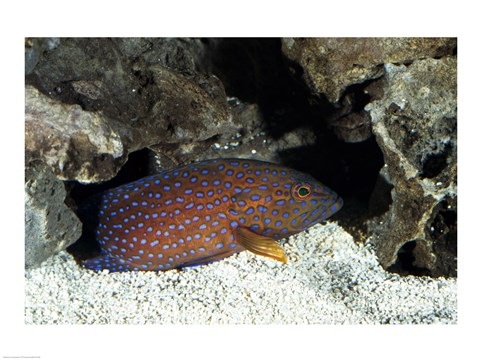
76	144
350	122
34	48
186	120
189	109
354	127
415	126
253	142
330	65
97	61
188	56
92	102
50	226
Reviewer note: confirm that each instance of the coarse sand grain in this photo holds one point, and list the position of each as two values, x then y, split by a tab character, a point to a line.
329	279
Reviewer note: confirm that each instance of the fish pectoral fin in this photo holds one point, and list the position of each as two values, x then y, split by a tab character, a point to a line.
260	245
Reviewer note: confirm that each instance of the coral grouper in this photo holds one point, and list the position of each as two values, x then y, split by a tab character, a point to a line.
206	211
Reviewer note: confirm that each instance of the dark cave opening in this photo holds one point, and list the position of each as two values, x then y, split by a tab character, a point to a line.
434	164
256	70
405	264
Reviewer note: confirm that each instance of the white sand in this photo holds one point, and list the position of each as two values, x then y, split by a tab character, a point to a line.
328	280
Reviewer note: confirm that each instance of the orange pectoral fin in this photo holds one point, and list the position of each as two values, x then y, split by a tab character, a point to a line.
259	244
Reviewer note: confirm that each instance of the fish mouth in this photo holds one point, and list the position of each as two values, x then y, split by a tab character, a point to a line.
336	206
318	216
331	209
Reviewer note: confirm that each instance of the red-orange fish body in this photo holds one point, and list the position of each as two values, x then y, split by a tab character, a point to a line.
206	211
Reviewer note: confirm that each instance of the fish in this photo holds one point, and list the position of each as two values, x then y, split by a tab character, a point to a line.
205	211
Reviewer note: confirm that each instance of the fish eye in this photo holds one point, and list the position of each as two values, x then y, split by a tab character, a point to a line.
302	191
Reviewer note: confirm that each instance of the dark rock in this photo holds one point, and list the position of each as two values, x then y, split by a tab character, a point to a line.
330	65
100	62
415	126
350	122
188	56
186	120
189	109
254	141
111	101
354	127
34	48
50	226
90	103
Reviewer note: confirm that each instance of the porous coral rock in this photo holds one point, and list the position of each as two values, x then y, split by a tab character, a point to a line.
415	126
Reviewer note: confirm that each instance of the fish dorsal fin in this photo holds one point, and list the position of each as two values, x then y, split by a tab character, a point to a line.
259	244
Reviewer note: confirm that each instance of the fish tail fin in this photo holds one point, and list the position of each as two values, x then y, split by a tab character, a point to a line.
107	262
